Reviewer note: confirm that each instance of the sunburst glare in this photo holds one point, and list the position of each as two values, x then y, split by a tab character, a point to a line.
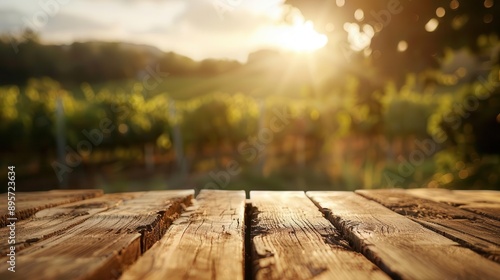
300	36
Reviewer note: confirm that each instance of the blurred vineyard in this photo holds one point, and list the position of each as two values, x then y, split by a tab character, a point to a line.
326	140
402	95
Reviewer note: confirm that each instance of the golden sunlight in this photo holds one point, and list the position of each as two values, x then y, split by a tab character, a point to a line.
299	37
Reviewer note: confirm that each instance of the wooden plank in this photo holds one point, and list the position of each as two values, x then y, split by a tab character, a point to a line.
151	213
486	209
401	247
292	240
104	244
457	196
205	243
51	221
483	202
28	203
471	230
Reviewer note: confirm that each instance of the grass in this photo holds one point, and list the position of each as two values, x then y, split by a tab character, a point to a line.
250	79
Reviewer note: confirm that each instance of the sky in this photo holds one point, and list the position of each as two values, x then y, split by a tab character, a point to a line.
196	28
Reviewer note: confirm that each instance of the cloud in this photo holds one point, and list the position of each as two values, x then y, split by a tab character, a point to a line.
10	20
195	28
198	31
66	22
217	17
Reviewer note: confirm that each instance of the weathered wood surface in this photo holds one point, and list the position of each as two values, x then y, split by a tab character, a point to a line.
206	242
292	240
104	244
150	213
84	234
471	230
399	246
483	202
51	221
28	203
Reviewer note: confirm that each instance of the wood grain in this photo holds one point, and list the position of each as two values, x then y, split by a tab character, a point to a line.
482	202
104	244
401	247
150	213
292	240
51	221
28	203
205	243
471	230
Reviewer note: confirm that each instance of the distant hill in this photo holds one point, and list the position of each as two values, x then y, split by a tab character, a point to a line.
266	71
96	61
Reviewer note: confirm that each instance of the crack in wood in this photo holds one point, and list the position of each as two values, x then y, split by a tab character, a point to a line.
291	239
454	223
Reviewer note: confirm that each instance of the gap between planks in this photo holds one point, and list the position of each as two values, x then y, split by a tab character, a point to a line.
471	230
206	242
486	203
292	240
401	247
129	246
52	221
28	203
101	246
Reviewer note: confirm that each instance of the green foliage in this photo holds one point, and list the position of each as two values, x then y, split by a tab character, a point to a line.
406	111
215	119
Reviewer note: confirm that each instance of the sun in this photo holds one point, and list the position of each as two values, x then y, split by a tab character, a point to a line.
298	37
303	38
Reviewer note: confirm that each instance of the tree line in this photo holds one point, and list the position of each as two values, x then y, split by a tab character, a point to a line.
25	57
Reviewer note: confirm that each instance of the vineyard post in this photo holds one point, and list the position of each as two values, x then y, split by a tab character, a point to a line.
262	161
177	137
60	138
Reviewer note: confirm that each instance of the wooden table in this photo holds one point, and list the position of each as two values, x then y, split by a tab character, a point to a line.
367	234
